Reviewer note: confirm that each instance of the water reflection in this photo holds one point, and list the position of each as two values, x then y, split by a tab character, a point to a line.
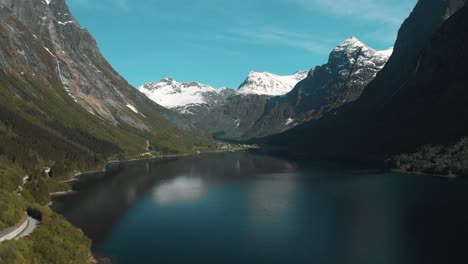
247	208
180	189
104	198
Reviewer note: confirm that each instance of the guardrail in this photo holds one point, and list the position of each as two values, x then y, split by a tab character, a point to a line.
12	232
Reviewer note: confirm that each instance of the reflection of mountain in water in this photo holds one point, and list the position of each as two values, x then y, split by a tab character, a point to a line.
104	198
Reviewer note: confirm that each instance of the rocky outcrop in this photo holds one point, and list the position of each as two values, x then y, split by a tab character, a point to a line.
351	66
62	103
254	112
42	39
265	83
176	95
417	99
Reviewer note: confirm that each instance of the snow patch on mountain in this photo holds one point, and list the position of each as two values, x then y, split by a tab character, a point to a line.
289	121
265	83
386	53
353	57
360	54
172	94
65	23
132	108
184	96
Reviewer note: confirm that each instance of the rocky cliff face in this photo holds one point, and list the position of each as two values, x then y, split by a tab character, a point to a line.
60	98
183	96
414	35
351	66
219	113
417	99
265	83
46	41
254	112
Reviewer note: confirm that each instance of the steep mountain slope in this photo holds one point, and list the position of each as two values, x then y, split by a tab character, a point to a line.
417	99
63	106
175	95
351	66
413	37
63	109
252	112
265	83
71	53
179	96
218	113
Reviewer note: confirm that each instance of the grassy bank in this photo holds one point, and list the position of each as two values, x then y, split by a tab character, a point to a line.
55	241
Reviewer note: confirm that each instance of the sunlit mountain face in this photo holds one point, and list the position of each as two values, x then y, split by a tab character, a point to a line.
277	139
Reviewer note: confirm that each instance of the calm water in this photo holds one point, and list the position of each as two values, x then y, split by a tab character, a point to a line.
247	208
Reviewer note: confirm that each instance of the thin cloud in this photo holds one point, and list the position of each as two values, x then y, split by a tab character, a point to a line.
383	11
279	37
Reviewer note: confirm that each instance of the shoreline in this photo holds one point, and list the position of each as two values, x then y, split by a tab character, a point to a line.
153	158
106	259
175	156
415	173
58	194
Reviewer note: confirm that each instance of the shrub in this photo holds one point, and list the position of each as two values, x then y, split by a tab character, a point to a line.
11	209
39	190
11	255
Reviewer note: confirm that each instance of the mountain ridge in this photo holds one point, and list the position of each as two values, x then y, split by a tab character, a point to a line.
243	115
52	67
406	105
266	83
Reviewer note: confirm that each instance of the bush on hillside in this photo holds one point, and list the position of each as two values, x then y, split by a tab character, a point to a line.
441	160
11	209
55	241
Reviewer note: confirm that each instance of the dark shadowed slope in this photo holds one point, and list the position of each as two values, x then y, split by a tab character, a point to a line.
418	98
62	104
244	115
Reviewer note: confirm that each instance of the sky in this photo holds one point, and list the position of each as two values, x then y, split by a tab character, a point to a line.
218	42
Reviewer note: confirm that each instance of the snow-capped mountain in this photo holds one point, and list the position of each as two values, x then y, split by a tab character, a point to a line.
353	52
173	94
267	103
182	96
265	83
351	66
418	98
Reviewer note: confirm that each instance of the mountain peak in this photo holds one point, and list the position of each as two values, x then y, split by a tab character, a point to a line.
167	80
257	73
171	81
173	94
266	83
353	51
350	45
352	40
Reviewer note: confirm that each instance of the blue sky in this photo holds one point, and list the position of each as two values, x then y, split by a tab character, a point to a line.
218	42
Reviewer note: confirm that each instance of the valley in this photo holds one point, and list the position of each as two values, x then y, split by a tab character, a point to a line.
300	156
266	104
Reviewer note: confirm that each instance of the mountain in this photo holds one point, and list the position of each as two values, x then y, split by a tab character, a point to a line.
181	96
350	67
44	46
218	113
175	95
64	109
416	99
63	105
265	83
254	112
